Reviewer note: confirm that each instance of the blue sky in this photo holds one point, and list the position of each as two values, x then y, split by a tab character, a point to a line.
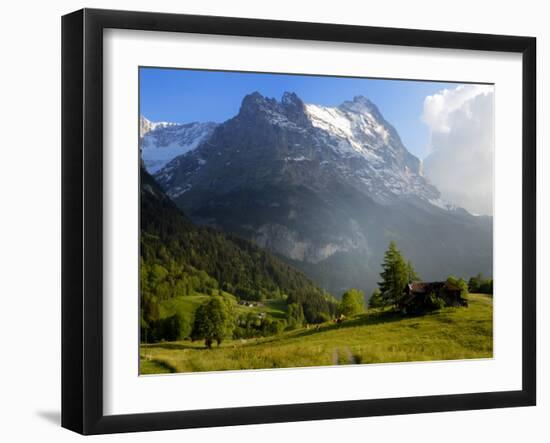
178	95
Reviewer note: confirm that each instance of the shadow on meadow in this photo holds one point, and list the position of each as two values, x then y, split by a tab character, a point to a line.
361	320
172	346
358	321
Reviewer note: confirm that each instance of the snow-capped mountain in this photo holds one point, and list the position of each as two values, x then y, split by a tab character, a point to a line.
358	130
353	141
146	125
160	142
326	188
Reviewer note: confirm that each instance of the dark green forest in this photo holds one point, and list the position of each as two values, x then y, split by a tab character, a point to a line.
179	258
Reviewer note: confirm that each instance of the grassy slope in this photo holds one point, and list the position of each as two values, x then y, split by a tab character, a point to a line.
274	308
374	337
186	306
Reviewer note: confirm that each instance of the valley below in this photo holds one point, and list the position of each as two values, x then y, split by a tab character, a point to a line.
375	336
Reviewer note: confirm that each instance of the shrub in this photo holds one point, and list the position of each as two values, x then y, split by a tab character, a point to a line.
250	326
460	283
433	302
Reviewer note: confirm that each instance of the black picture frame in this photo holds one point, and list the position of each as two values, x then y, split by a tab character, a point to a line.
82	218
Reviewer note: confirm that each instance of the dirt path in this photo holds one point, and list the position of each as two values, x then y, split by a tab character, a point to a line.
336	356
350	356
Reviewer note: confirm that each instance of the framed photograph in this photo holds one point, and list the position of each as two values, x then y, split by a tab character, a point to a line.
269	221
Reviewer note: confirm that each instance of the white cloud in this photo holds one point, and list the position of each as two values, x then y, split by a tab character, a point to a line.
460	159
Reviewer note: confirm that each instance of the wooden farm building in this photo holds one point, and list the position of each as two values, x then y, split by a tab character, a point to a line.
420	295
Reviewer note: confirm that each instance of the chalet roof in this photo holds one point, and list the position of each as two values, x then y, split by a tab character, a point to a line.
422	287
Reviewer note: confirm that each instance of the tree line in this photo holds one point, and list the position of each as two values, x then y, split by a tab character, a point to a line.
178	258
480	284
217	319
398	272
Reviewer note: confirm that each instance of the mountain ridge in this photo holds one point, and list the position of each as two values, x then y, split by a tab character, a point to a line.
317	184
161	142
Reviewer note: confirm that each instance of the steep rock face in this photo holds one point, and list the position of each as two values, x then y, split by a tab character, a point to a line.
326	188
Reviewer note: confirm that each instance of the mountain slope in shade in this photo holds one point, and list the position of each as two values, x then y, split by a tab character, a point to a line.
160	142
327	189
171	239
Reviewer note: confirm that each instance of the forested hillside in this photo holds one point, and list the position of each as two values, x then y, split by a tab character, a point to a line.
181	259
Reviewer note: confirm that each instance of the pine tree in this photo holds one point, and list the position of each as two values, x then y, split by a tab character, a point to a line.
295	315
394	275
375	300
411	273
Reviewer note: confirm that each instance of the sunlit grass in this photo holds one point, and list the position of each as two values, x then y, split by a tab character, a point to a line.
373	337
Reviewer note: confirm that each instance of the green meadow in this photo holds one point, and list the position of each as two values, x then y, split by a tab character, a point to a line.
374	336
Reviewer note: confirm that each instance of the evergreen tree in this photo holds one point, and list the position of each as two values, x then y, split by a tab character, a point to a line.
295	315
375	300
394	275
412	275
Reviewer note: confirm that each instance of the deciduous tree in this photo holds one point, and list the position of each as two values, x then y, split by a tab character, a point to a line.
213	321
353	302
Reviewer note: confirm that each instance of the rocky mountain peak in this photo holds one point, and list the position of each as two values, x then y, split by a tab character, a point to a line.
290	109
294	108
256	102
145	126
306	144
161	142
320	185
361	105
290	99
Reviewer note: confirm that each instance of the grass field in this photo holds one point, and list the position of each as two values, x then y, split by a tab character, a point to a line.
185	306
373	337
